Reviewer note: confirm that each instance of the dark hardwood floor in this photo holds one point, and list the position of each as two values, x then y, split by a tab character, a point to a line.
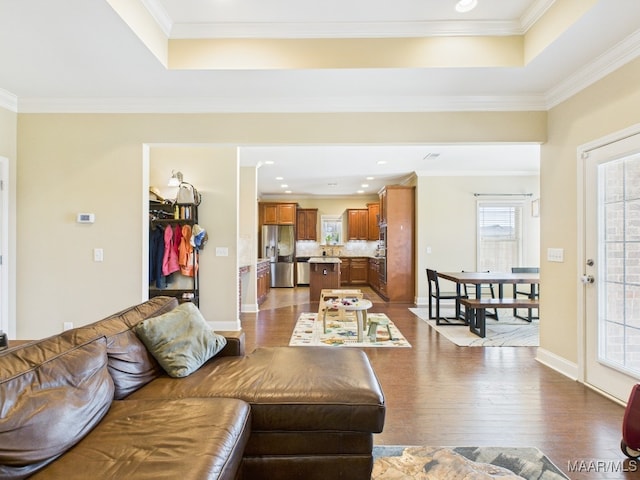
439	394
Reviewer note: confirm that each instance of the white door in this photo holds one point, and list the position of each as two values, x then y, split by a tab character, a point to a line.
611	266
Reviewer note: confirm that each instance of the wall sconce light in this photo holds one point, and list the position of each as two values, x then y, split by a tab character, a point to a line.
176	179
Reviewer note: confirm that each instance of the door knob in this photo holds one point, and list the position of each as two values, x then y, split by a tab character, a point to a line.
586	279
590	262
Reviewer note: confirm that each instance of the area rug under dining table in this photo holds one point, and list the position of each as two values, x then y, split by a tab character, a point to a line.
309	330
509	331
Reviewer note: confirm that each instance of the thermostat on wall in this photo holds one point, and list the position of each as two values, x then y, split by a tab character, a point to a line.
86	218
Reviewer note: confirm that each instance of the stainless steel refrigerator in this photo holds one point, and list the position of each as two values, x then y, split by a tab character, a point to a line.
279	246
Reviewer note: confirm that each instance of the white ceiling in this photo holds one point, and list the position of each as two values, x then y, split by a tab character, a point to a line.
80	56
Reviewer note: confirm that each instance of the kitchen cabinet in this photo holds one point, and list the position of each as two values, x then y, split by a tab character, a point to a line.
398	285
359	271
373	210
263	273
307	224
345	271
324	273
382	195
271	213
373	278
354	271
358	224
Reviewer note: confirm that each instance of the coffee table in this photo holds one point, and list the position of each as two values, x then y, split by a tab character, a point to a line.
359	306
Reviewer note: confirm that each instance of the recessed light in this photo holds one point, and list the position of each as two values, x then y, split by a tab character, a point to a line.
279	178
381	162
365	185
284	185
464	6
360	191
288	191
269	162
370	178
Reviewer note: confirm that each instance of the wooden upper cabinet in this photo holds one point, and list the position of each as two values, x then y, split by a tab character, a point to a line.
374	220
277	213
358	224
307	224
383	206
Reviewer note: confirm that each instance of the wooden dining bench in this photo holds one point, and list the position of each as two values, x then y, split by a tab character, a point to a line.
475	310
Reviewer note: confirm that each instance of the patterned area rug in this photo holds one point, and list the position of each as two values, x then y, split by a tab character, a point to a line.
469	463
509	331
309	331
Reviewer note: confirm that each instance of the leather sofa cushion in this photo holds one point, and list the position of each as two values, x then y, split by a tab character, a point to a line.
52	393
180	340
150	439
289	388
130	363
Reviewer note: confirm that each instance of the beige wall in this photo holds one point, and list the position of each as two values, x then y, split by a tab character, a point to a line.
70	163
213	170
328	206
446	219
608	106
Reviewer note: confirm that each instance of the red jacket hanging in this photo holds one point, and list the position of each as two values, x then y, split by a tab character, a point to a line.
170	259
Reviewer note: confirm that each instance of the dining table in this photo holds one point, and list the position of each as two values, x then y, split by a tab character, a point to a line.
478	279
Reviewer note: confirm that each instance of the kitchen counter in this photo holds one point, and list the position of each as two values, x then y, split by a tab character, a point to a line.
325	260
324	274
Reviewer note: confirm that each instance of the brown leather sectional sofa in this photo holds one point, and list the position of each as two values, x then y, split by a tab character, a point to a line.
92	402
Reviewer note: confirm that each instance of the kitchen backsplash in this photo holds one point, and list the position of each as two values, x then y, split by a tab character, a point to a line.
349	249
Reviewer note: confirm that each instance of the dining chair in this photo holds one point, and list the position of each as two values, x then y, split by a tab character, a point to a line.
436	295
531	292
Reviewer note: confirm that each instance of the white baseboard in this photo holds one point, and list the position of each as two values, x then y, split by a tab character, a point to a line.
557	363
249	308
422	301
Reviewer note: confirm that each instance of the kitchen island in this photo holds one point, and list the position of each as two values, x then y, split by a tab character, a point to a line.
324	273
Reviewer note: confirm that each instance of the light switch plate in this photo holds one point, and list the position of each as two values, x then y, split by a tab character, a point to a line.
555	254
222	252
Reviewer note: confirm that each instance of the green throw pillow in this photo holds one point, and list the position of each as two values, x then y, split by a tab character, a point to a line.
180	340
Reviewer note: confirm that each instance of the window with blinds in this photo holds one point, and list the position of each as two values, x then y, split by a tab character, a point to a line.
499	236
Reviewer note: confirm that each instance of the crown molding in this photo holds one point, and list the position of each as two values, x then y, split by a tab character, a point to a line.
281	105
160	15
621	54
8	100
344	29
534	13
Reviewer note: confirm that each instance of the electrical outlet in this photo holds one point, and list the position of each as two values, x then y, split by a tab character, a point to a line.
98	255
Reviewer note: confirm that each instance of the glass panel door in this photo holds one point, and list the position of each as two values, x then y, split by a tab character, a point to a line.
612	267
